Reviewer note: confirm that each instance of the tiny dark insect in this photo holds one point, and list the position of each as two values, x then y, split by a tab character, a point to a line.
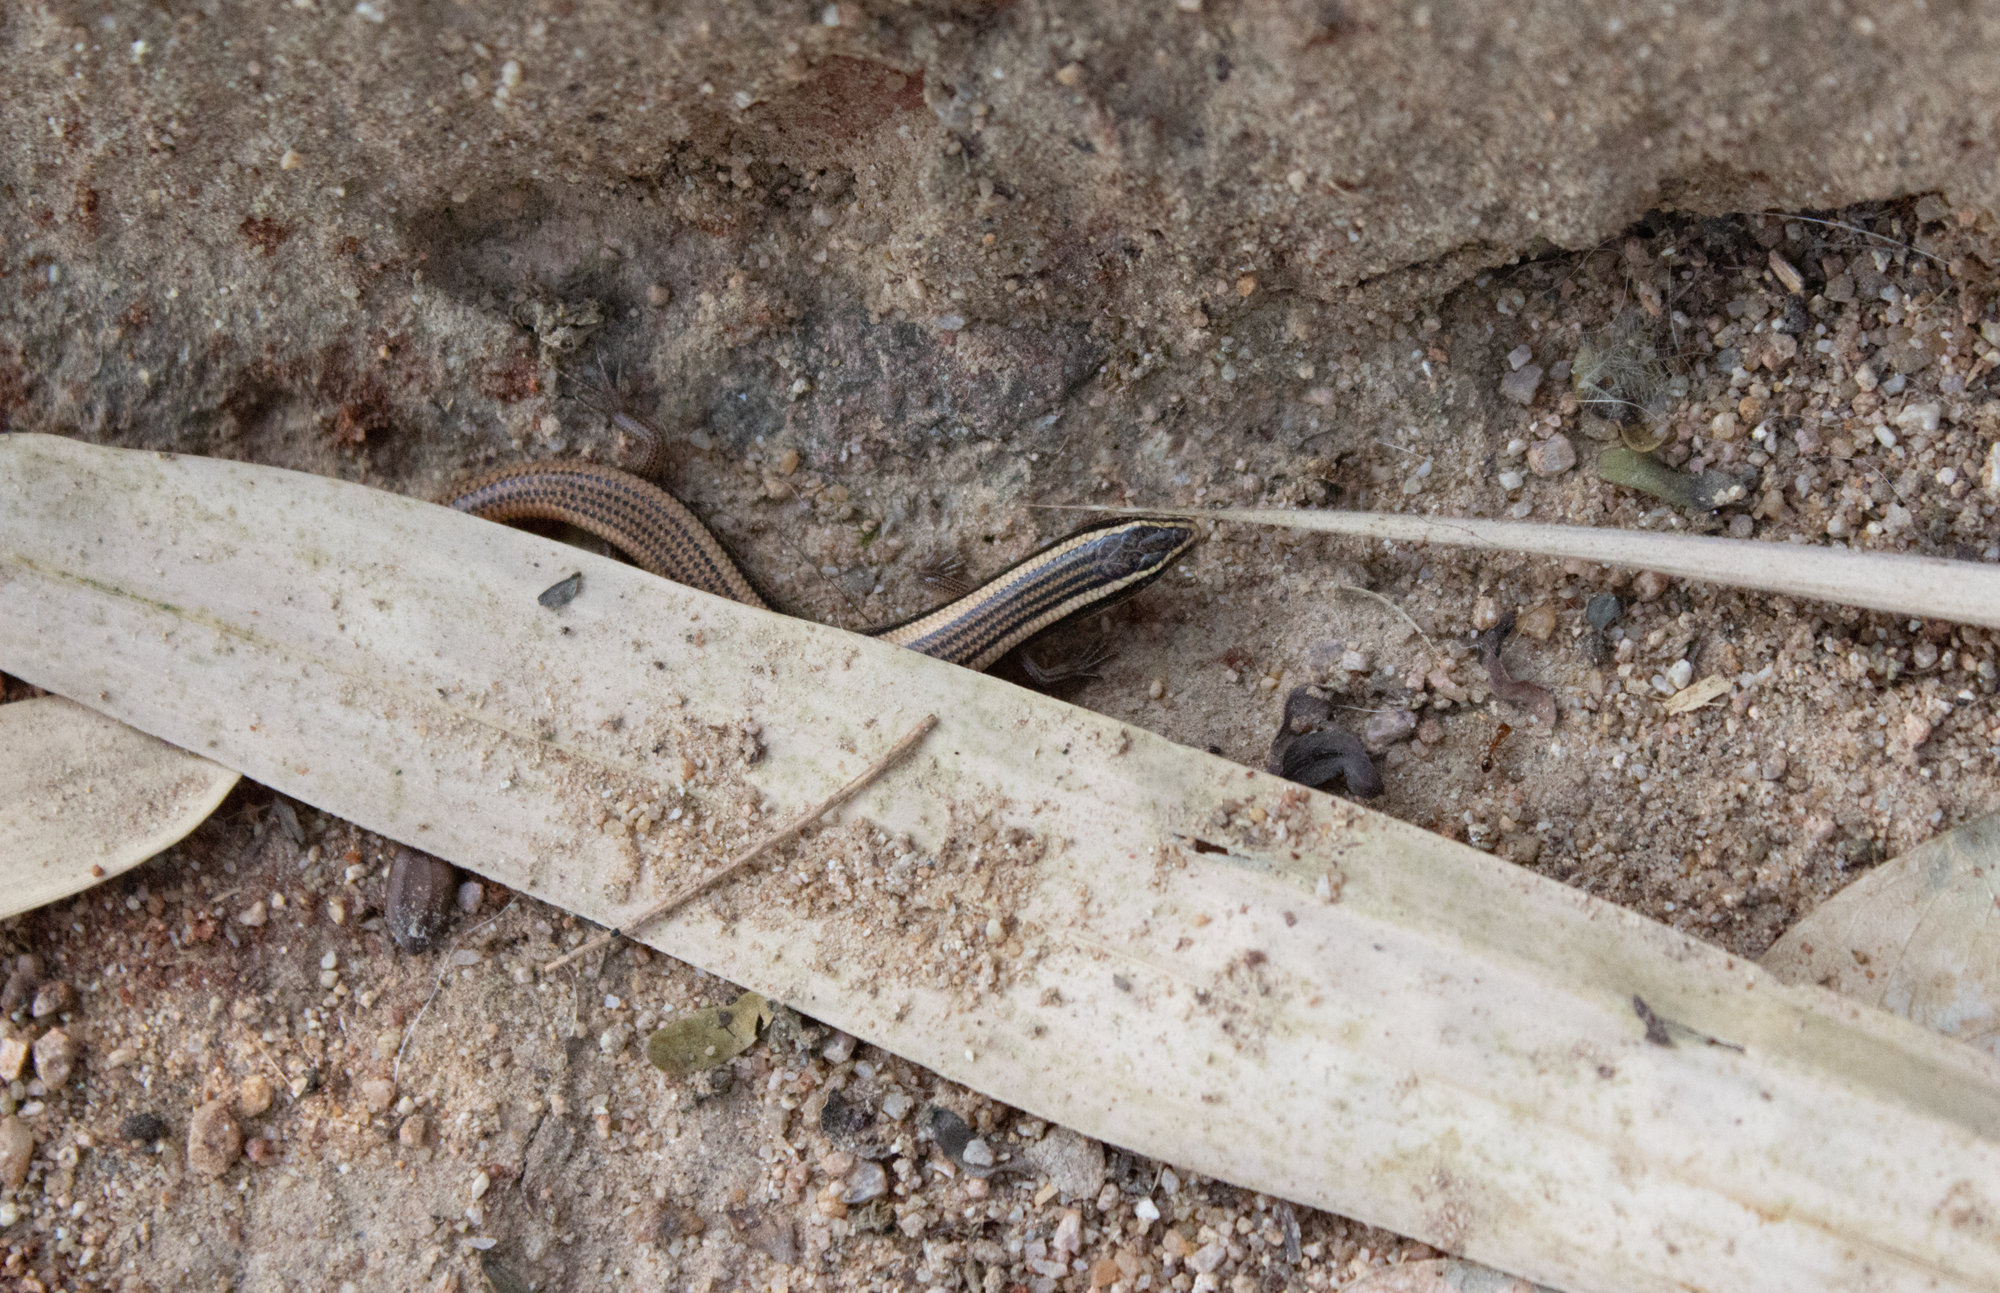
562	592
1493	746
1656	1027
142	1128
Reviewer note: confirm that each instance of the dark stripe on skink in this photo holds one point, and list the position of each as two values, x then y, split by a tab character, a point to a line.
1078	575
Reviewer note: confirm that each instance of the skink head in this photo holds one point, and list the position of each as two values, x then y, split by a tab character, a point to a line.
1137	550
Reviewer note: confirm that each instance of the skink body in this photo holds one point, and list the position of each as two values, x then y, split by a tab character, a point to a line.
1076	576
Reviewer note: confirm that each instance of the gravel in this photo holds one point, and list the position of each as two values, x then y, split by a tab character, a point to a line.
214	1140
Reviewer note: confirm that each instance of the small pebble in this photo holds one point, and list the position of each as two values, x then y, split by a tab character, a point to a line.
253	915
470	895
1916	730
1537	622
214	1139
55	1058
1068	1238
1681	674
1073	1163
1512	480
1157	688
896	1105
839	1048
658	294
21	983
1552	457
1921	417
868	1181
53	997
411	1134
1649	585
379	1094
253	1095
1602	611
421	891
1520	386
977	1152
1519	356
1146	1210
17	1151
838	1164
1387	728
1356	661
13	1058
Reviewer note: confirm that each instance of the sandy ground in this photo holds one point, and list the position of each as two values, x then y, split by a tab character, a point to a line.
891	277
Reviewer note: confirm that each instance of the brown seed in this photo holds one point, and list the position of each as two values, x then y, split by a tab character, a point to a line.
214	1139
422	890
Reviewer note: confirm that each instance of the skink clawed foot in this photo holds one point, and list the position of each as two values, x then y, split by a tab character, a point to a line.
1080	662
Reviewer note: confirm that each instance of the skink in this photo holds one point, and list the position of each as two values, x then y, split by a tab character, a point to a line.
1076	576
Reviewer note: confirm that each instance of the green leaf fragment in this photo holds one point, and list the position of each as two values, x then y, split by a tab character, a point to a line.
1696	494
707	1038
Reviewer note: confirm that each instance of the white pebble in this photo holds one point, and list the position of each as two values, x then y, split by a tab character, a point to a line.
1512	480
331	961
1519	355
1146	1210
470	895
1681	674
1921	417
1886	436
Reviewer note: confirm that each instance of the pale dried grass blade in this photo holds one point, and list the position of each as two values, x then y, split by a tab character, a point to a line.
84	798
1156	947
1960	592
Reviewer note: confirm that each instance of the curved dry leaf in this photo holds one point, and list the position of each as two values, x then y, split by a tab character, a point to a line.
84	797
1916	936
1191	959
705	1038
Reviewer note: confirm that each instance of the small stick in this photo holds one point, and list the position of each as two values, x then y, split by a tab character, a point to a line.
783	835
